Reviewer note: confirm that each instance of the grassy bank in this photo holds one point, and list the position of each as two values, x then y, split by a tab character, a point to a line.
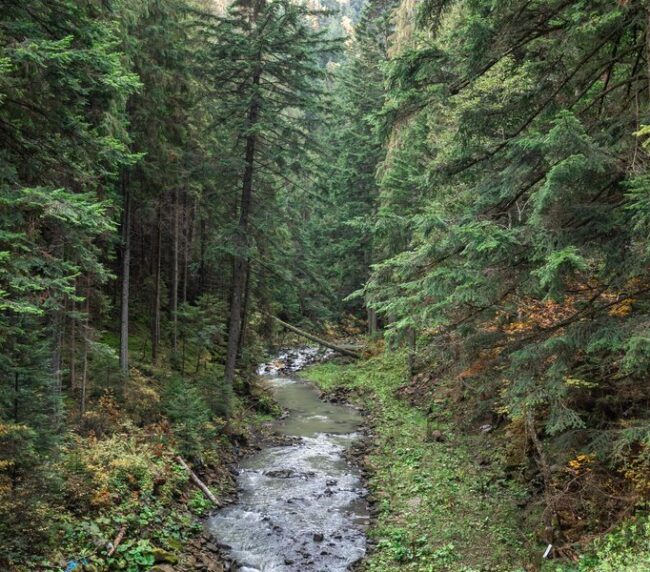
445	500
443	505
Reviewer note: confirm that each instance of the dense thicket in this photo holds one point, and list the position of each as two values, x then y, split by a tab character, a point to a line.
149	157
510	229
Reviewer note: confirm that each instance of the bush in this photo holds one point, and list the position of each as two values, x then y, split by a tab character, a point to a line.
626	549
142	399
190	417
216	393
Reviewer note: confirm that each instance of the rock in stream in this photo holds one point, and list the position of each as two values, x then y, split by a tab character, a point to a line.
301	507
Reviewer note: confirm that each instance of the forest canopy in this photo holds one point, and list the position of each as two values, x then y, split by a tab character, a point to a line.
465	181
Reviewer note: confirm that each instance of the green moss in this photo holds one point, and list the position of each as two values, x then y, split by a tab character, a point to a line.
440	509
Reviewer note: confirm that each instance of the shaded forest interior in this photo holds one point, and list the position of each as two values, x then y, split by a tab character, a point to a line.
462	184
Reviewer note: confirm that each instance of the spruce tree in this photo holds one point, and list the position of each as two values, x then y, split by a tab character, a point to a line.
342	237
523	251
267	75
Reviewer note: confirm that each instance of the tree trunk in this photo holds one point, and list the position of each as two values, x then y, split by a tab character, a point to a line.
14	466
199	483
84	371
174	284
372	322
155	327
126	273
56	365
202	255
16	398
187	248
244	314
241	240
647	39
318	340
73	342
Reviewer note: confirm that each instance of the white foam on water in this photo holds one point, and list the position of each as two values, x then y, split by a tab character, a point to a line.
300	507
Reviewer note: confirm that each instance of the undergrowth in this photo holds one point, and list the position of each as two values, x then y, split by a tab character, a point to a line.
442	505
115	469
451	505
625	549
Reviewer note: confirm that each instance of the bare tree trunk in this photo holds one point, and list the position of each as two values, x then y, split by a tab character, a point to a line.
199	483
202	255
155	329
244	314
647	38
370	312
174	284
14	466
372	322
241	241
187	249
321	341
73	342
16	398
84	372
126	273
56	362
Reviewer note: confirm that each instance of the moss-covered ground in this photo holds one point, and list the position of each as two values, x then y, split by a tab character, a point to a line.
448	505
443	505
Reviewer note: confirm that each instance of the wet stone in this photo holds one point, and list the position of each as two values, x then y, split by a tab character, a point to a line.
296	484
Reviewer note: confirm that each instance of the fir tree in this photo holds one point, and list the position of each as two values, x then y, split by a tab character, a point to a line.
267	73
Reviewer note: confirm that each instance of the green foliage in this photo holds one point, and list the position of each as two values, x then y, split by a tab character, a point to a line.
511	221
216	393
474	171
624	549
422	487
198	504
340	237
190	417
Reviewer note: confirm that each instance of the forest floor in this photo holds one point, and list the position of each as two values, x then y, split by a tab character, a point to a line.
117	479
445	496
442	486
442	500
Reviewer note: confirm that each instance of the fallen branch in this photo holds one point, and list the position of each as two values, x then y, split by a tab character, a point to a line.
112	547
198	482
320	341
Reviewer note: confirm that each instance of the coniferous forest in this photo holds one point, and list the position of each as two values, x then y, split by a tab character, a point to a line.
452	194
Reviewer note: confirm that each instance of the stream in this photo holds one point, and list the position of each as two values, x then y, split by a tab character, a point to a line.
301	507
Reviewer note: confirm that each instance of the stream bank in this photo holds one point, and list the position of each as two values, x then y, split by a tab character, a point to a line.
440	499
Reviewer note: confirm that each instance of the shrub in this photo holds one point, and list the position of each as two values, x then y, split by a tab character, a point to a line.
190	417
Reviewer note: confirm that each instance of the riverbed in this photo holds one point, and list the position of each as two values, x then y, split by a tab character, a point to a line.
301	507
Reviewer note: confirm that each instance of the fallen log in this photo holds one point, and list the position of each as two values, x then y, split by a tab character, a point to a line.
112	546
198	482
321	341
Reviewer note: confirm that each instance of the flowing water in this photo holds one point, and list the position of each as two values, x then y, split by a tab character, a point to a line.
301	507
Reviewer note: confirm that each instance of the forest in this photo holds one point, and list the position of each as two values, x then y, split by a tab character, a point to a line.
455	193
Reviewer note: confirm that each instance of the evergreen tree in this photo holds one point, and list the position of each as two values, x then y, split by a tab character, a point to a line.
341	233
266	62
523	248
